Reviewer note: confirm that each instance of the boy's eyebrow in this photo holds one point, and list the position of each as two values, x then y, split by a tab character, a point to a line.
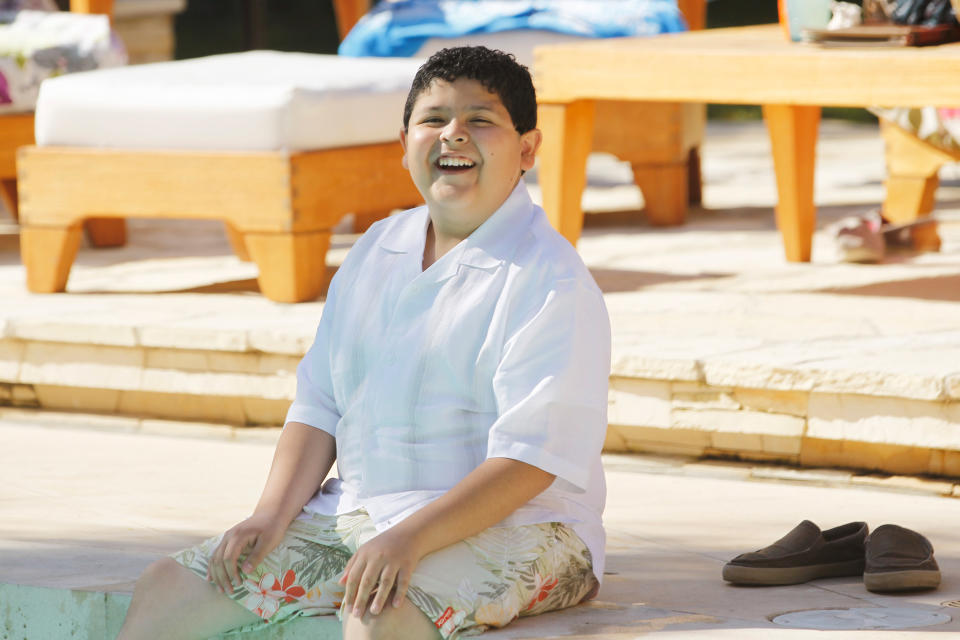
485	106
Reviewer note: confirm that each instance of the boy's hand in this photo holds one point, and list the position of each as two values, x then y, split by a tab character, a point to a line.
381	567
254	538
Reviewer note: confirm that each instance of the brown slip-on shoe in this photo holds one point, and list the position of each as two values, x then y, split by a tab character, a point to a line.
803	554
898	559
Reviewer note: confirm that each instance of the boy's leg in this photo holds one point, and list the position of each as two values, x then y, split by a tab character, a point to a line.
406	622
488	580
172	602
299	577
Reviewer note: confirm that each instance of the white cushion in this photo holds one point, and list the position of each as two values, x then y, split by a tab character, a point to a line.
256	101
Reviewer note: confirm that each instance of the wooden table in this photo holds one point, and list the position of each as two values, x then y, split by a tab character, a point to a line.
744	65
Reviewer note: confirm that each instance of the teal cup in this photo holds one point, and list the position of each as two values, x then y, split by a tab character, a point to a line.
805	14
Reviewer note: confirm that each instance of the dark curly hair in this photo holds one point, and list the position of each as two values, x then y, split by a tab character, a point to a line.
498	72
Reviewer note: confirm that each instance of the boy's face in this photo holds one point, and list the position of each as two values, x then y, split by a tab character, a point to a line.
464	154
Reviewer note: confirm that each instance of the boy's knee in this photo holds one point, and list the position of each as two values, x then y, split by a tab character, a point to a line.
164	572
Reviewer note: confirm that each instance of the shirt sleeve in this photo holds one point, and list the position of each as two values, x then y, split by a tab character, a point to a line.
551	386
314	404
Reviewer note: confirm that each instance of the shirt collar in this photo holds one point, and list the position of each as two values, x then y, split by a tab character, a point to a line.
489	246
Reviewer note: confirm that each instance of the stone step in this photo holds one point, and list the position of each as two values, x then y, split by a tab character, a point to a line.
720	347
887	401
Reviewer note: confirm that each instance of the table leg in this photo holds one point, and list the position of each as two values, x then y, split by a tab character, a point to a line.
793	139
47	254
292	265
567	138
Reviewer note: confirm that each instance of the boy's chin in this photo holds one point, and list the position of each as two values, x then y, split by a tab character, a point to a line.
446	194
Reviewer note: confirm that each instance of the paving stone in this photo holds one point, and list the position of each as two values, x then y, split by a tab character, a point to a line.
23	395
85	399
884	420
182	406
737	442
186	336
881	369
236	385
90	328
945	463
696	395
673	440
953	386
257	435
265	410
282	365
644	403
613	440
905	483
756	422
294	341
11	355
56	419
782	445
826	477
181	359
79	364
180	429
792	403
233	362
870	456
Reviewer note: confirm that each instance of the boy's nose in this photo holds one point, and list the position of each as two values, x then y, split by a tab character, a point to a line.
453	132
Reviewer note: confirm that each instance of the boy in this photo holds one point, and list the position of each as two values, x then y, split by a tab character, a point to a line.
459	380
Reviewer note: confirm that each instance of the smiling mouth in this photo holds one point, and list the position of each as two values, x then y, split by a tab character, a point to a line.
454	164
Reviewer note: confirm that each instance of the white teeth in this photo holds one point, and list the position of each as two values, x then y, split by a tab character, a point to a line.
454	162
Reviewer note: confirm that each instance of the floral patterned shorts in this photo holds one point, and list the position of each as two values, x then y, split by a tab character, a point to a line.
484	581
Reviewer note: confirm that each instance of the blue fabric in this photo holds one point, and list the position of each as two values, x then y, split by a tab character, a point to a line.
400	27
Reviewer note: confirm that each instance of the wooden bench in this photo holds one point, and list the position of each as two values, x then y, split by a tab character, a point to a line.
280	202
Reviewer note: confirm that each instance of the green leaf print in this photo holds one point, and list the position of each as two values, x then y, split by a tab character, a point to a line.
319	562
426	602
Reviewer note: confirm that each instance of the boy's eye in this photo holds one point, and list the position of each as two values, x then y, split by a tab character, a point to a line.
432	120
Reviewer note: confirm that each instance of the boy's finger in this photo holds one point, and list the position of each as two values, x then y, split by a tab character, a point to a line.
403	582
256	556
351	583
216	575
383	590
367	584
230	558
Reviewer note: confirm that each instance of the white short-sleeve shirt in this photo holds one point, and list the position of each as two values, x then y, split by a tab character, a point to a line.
501	348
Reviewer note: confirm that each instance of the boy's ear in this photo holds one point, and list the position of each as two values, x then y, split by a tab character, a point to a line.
403	145
529	144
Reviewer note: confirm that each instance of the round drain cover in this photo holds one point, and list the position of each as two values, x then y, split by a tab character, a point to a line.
861	618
